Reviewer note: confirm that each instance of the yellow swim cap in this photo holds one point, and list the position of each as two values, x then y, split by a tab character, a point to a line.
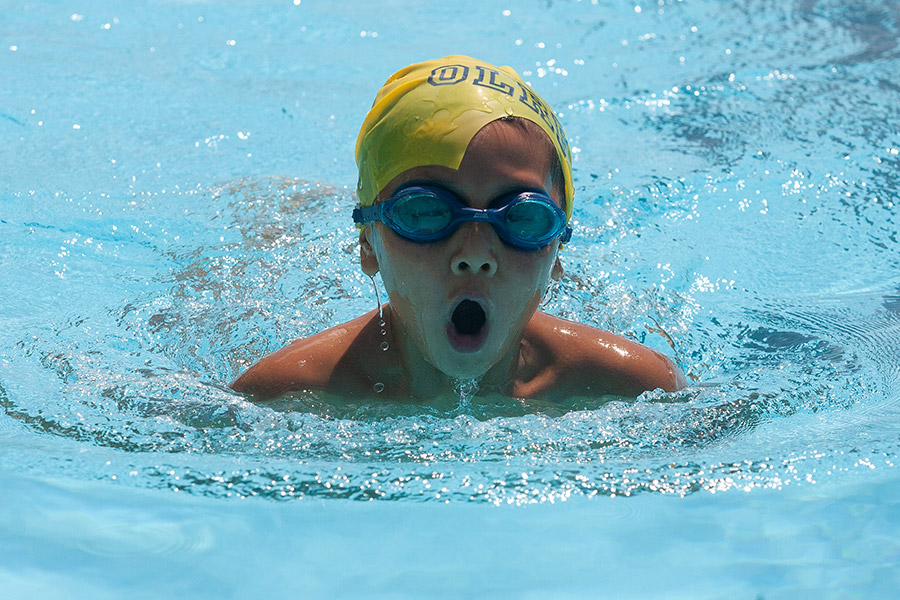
427	113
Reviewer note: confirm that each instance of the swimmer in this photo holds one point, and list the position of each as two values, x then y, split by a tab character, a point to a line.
465	193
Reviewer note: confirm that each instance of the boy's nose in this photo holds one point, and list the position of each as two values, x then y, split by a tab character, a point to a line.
475	253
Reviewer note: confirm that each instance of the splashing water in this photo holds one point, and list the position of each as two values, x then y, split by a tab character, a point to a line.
465	389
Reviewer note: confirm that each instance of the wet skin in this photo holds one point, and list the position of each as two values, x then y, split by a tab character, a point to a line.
514	350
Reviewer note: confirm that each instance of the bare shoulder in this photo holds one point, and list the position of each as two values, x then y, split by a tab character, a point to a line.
311	363
591	360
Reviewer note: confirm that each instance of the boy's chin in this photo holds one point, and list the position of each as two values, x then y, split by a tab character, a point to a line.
466	366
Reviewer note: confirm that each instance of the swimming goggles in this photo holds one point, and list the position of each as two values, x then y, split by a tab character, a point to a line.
425	213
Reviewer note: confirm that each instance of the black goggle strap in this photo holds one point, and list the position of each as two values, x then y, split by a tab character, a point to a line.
367	214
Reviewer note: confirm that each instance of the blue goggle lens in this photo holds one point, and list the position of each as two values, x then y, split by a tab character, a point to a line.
531	219
421	214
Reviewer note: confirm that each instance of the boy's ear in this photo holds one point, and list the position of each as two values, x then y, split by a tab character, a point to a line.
367	258
556	272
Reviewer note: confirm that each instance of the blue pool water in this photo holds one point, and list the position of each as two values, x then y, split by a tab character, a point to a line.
175	190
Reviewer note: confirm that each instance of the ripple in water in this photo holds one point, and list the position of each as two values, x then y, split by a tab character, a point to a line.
139	386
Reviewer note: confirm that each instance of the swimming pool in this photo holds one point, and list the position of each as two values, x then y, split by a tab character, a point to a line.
175	202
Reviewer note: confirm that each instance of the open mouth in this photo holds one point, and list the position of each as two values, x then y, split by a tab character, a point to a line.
468	326
468	318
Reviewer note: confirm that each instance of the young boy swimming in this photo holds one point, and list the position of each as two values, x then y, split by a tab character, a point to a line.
465	192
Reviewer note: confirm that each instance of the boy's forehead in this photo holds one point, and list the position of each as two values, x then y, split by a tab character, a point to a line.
424	173
520	139
516	135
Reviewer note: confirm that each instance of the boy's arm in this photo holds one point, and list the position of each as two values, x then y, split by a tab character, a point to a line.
305	364
632	368
659	371
273	375
601	361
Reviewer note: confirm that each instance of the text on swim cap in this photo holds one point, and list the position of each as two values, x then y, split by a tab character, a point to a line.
498	81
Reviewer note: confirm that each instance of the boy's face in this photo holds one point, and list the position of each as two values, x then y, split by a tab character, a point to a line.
434	287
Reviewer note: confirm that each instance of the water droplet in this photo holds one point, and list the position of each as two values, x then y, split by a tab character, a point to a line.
384	345
383	331
378	387
377	295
